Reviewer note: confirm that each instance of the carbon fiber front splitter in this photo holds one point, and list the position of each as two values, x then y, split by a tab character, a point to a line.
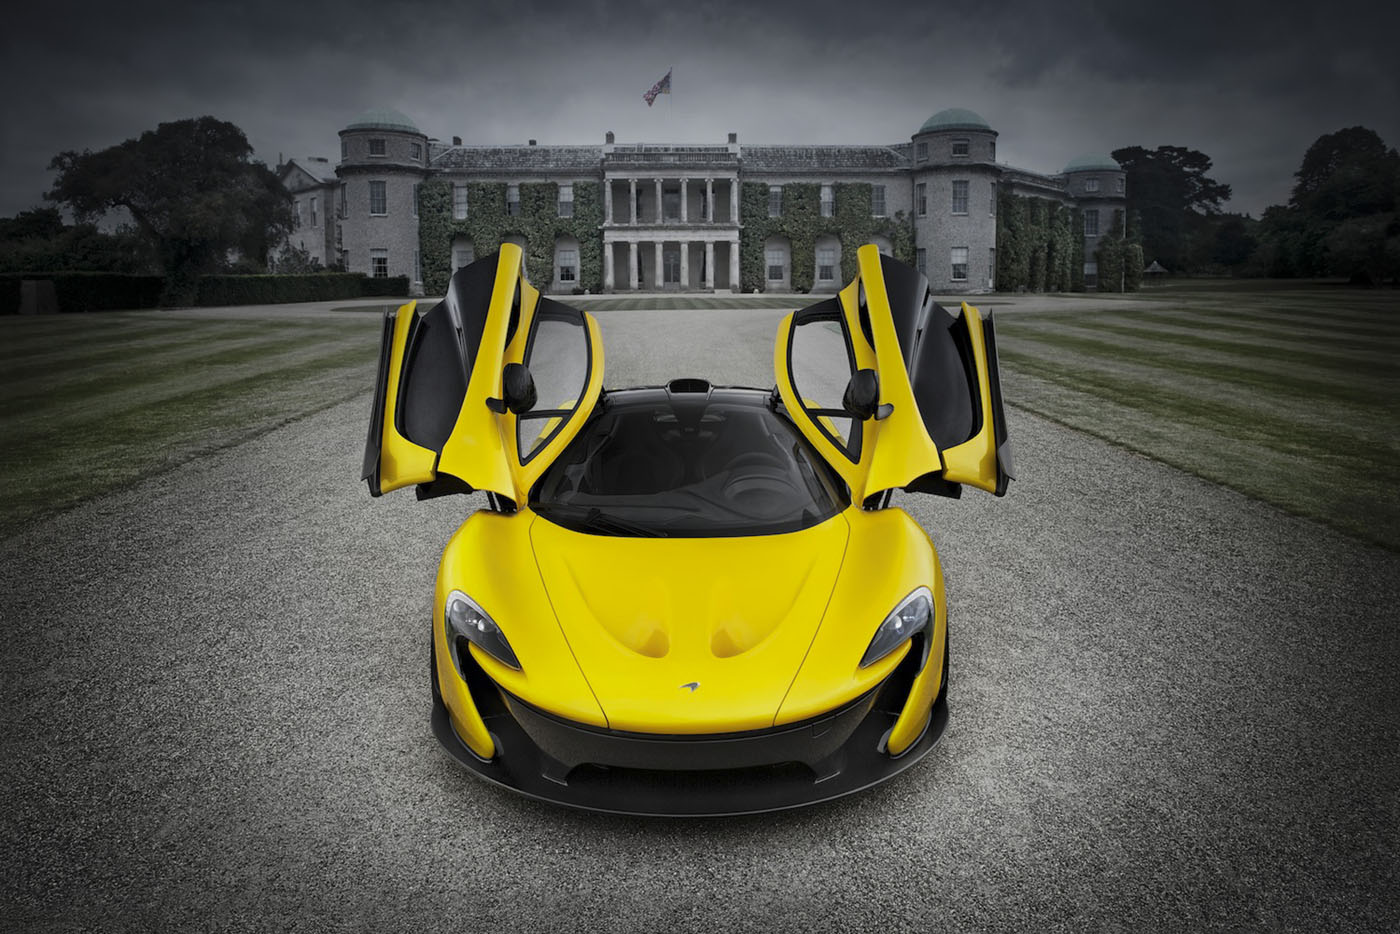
686	788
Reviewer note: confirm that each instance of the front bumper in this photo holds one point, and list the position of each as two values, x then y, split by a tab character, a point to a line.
545	757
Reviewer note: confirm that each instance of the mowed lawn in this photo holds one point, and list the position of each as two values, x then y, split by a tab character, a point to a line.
92	402
1291	396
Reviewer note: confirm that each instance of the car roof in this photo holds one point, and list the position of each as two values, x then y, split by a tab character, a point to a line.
681	390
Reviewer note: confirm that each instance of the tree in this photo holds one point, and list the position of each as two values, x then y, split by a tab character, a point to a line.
1171	192
1342	216
39	241
1346	174
192	189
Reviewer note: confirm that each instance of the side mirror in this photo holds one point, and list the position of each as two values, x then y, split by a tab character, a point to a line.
862	396
518	388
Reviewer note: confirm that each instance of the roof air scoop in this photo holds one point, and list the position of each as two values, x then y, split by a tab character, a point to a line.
688	385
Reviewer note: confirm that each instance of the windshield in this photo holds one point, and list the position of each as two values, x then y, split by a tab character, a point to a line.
687	465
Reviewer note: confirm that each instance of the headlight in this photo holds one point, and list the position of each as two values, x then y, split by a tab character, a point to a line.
912	615
469	621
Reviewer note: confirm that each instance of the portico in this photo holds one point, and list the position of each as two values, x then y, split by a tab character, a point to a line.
670	218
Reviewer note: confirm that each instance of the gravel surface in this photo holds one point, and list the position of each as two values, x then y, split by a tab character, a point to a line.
1173	708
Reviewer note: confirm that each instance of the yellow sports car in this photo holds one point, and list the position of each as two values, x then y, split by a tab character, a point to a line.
688	599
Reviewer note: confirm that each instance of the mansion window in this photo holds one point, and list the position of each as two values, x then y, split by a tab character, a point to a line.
513	200
566	201
1091	223
568	265
379	264
960	148
959	264
415	151
921	198
877	200
377	147
1091	184
296	212
459	201
415	199
921	152
775	265
1118	185
344	206
994	150
921	261
775	202
314	221
960	196
378	198
344	150
463	255
826	264
828	202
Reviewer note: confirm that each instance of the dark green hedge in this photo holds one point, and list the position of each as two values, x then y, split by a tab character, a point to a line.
103	291
86	291
276	290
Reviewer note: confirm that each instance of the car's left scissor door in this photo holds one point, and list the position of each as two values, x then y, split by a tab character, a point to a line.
450	415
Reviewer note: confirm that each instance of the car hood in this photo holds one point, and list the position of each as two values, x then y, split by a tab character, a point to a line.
695	635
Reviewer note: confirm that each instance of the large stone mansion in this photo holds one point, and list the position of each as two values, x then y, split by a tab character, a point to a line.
725	216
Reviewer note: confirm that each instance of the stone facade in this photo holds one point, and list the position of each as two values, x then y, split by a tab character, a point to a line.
671	214
315	191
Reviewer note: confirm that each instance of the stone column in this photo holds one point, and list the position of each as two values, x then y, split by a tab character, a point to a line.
608	284
734	284
633	202
709	264
660	271
710	203
658	213
607	201
632	256
734	200
685	257
685	213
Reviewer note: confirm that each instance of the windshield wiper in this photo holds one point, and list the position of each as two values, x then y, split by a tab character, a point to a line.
593	519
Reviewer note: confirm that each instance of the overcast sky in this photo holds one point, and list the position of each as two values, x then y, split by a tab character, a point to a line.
1249	84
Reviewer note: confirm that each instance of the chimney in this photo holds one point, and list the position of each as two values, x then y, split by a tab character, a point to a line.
734	137
532	142
456	141
609	137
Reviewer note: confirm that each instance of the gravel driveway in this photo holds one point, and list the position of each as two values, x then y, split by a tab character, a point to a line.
1173	708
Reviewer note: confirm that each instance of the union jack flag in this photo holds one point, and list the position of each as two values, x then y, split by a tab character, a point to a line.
661	87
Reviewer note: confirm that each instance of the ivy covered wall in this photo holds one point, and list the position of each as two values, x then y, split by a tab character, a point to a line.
1040	245
488	225
801	222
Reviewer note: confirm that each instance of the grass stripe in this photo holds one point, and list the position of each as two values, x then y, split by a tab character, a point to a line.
1343	446
58	468
1298	373
1242	335
1356	505
101	357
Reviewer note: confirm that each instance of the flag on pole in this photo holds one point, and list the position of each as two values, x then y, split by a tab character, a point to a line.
661	87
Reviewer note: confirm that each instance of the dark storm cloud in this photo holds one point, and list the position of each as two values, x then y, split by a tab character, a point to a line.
1250	84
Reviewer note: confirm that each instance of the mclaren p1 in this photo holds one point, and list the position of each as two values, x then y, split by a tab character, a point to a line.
688	599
